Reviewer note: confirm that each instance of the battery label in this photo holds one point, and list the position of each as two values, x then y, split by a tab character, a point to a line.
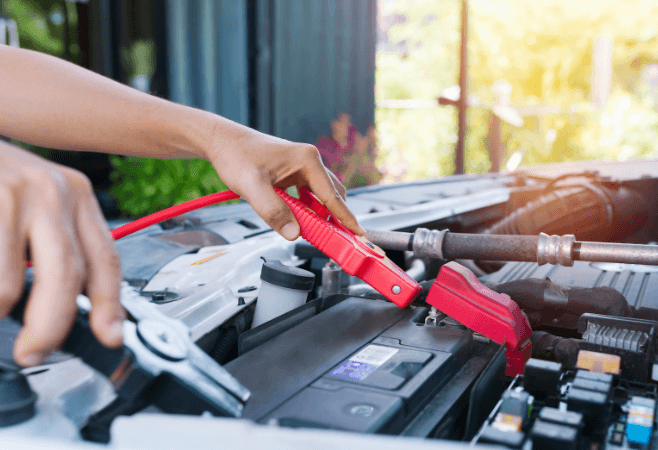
365	362
374	354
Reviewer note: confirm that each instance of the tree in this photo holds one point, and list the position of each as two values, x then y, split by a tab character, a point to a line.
544	51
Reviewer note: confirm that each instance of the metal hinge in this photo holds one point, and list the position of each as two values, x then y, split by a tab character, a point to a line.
8	32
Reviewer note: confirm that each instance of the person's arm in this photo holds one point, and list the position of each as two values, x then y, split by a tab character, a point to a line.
52	211
52	103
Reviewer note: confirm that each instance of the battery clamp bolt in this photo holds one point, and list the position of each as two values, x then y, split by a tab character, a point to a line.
160	339
433	317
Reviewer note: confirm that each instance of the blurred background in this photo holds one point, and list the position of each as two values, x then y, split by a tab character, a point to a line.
376	85
550	81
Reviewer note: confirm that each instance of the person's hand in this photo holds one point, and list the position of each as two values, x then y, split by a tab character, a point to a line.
52	210
135	123
251	164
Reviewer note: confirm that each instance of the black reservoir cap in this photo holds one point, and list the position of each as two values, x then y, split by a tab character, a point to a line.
554	415
516	404
591	404
287	276
594	376
591	385
492	435
542	378
585	400
16	398
551	436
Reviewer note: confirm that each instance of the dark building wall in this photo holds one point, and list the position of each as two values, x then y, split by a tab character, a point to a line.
315	60
285	67
207	65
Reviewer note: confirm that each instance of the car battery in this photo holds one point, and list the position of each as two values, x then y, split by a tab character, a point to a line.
362	365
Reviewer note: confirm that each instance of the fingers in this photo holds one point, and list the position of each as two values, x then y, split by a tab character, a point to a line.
58	272
280	163
323	187
53	209
267	204
103	274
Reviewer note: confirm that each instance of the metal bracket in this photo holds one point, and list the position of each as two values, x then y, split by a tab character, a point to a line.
555	249
428	243
8	32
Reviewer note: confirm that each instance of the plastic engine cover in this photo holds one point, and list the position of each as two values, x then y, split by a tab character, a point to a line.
637	283
362	365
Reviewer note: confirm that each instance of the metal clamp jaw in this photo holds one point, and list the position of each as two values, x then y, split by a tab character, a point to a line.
158	364
161	347
458	293
356	255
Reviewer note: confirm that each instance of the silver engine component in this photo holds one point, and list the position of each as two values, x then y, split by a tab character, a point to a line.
543	249
616	337
209	287
555	249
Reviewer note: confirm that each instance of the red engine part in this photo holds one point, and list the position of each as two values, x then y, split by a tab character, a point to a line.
356	255
459	294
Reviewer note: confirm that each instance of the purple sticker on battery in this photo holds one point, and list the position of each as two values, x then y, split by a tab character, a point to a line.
354	369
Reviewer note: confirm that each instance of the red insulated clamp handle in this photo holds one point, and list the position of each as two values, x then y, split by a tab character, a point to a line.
459	294
354	254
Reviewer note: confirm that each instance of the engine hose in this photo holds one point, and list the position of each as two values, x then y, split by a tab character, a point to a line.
588	211
555	348
553	305
225	343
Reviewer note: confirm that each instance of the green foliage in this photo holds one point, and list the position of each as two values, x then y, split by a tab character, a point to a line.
139	60
544	50
144	185
350	155
36	29
415	143
626	129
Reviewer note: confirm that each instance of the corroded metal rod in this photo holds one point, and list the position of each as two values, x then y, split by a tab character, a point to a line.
543	249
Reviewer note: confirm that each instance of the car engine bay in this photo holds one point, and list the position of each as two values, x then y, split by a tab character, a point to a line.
534	325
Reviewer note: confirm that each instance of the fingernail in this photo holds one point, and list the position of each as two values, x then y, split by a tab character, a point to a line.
116	329
290	231
32	359
362	230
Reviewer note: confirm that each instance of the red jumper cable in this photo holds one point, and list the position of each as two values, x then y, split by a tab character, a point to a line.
456	291
353	253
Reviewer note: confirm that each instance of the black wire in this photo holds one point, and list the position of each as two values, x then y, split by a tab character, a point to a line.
225	343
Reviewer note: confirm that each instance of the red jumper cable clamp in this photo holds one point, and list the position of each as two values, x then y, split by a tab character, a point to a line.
459	294
356	255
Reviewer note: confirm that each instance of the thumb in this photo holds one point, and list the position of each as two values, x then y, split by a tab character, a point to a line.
274	211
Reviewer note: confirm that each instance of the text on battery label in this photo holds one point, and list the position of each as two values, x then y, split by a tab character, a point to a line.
374	354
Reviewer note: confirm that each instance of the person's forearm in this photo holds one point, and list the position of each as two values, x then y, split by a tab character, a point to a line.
52	103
